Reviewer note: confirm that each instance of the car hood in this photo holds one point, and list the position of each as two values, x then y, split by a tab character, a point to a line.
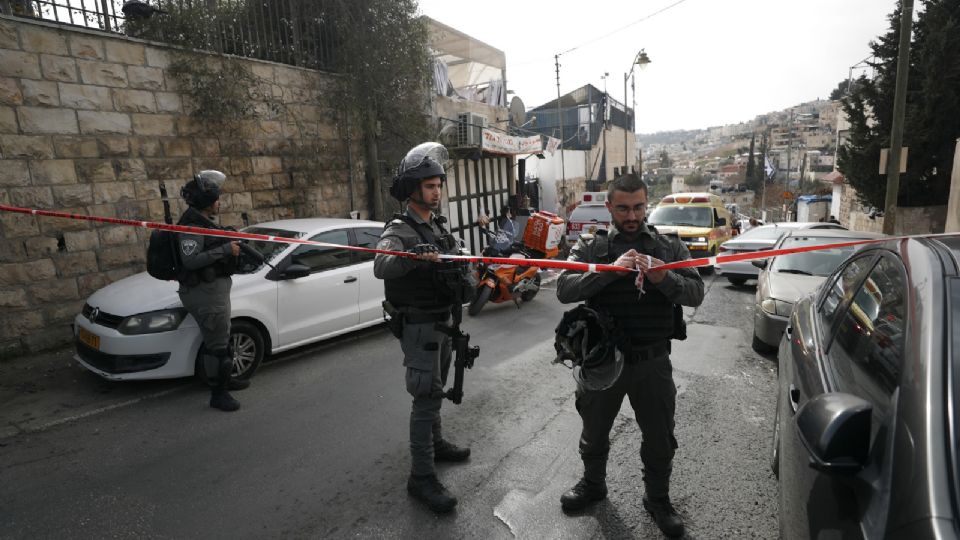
683	231
790	287
138	293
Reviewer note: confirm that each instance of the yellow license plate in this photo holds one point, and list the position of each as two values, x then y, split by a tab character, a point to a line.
89	338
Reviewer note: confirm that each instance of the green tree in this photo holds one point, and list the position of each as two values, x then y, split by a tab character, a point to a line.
665	161
751	178
839	91
933	106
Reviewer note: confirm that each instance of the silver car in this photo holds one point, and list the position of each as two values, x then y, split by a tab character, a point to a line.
758	239
786	278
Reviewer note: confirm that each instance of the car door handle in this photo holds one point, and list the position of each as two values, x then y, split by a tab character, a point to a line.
789	331
794	395
350	279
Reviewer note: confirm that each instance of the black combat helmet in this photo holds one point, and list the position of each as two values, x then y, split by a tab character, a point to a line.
204	189
588	339
423	161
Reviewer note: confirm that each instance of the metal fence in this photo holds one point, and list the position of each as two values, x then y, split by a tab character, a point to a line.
294	32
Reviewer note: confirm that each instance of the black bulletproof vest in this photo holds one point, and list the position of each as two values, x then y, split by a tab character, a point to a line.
420	289
221	268
645	321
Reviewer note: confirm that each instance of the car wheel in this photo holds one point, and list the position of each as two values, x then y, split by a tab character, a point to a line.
482	297
761	347
775	451
736	281
529	295
247	346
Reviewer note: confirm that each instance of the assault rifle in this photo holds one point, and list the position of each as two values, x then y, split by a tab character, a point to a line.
464	353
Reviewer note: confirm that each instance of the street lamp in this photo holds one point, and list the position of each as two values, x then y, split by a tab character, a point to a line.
641	59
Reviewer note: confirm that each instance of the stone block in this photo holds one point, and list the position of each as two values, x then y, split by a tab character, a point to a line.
28	272
138	101
120	273
56	227
117	236
157	57
53	171
75	147
20	323
240	165
32	197
146	78
263	199
14	172
97	122
145	147
10	93
57	330
122	256
12	251
102	73
59	68
75	195
282	180
85	96
8	35
81	240
43	40
187	125
154	124
18	225
258	182
87	284
13	298
241	201
24	146
19	64
39	247
40	93
43	120
203	147
130	170
262	71
8	120
177	147
82	264
262	215
149	189
162	169
86	47
270	129
111	192
113	146
95	170
266	165
168	102
123	52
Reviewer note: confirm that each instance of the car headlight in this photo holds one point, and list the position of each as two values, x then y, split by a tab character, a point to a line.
153	322
777	307
700	239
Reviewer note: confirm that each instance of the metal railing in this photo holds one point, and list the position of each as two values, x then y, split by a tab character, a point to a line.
294	32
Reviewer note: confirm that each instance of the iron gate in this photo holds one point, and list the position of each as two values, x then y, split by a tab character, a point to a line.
476	187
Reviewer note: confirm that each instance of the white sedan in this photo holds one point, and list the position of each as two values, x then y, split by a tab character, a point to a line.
136	328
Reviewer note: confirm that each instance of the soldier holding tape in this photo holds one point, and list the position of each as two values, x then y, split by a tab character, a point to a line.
646	319
418	297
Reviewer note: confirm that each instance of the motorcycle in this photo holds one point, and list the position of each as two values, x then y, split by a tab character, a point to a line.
505	282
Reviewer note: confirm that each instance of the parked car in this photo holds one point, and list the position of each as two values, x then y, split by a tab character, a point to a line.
786	278
589	216
136	328
759	238
866	425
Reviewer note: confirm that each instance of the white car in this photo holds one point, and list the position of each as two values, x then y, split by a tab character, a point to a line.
137	328
758	239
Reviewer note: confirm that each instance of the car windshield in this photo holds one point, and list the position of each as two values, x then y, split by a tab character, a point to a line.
692	216
812	263
765	232
269	250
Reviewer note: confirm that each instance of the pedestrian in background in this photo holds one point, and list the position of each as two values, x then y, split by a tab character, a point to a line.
647	320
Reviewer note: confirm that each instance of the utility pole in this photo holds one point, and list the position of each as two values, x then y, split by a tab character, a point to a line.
606	107
563	165
899	107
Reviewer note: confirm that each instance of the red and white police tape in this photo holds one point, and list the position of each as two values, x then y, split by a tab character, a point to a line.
541	263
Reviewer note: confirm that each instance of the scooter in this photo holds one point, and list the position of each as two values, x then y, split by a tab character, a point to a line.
504	282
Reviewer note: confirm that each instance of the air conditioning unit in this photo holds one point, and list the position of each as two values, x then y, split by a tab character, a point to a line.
469	129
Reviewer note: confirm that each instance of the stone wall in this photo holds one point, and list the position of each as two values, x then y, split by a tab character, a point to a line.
92	123
910	220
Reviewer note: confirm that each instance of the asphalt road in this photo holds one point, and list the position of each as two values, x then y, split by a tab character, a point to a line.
319	448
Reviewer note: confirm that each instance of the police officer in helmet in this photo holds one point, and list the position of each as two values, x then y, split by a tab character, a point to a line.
206	264
418	296
645	325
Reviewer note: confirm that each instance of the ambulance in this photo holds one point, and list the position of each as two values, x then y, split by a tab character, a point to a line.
589	216
700	220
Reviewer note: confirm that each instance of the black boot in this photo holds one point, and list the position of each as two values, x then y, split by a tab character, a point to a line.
429	490
582	495
220	398
665	516
447	451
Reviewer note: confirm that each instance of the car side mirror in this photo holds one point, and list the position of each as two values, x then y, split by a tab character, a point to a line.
835	429
761	264
295	271
721	222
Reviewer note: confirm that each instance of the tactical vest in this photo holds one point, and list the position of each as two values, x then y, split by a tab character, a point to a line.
422	289
649	320
222	268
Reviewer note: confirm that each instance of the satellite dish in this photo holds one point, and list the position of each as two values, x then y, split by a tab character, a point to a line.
518	112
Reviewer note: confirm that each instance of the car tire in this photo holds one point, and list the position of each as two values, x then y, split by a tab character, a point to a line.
530	295
775	450
759	346
737	282
248	348
482	297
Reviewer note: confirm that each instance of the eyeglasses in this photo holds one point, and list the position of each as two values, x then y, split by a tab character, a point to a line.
627	210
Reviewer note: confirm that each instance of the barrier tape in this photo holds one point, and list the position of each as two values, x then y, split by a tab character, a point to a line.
541	263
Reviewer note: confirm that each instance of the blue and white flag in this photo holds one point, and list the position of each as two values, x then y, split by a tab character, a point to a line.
768	169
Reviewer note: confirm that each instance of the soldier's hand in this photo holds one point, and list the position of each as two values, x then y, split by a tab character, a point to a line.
426	252
628	260
645	263
235	248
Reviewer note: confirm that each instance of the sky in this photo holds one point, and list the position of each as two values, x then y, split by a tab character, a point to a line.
713	62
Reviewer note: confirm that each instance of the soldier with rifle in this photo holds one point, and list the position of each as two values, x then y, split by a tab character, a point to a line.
424	299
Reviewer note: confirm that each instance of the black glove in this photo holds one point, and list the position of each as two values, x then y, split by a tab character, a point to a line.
423	249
